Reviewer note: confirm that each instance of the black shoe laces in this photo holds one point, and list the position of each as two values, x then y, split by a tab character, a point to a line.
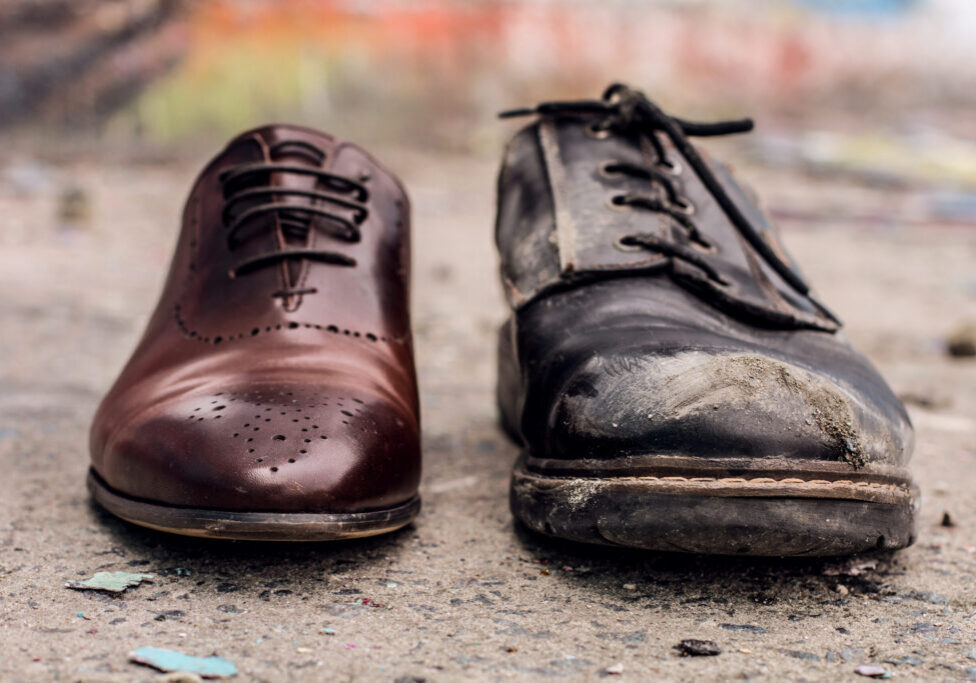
249	186
626	111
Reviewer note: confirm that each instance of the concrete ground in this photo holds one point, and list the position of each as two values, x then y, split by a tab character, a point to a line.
462	594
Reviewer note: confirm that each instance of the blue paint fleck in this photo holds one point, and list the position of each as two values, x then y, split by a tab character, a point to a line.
171	660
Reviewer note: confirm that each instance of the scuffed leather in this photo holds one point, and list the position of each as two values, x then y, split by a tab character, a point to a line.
577	238
608	357
219	353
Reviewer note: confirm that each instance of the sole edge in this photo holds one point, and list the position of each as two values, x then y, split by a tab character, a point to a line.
251	526
759	517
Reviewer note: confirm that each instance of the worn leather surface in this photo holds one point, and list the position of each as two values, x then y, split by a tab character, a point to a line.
239	399
613	352
568	248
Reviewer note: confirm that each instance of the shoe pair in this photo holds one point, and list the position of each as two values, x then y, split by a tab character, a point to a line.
671	379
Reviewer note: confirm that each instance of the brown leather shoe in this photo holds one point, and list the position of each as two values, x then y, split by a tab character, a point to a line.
273	395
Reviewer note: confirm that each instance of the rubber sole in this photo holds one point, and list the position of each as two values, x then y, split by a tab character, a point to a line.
251	526
759	508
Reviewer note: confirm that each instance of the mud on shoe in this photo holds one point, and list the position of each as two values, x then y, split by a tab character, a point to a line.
273	395
673	381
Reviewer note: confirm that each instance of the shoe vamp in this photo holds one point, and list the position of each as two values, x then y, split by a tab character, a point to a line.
639	366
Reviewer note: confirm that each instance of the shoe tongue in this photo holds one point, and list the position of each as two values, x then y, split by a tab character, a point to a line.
294	230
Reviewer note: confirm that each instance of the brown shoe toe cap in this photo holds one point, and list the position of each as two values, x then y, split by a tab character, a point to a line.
282	448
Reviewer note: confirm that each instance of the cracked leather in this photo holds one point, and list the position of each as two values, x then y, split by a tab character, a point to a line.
240	398
614	352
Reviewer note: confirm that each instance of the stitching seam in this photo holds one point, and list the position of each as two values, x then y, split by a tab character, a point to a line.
758	480
294	325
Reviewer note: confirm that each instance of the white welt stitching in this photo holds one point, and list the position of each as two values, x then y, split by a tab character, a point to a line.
766	481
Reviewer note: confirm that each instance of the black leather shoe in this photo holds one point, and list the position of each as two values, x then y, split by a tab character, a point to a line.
674	383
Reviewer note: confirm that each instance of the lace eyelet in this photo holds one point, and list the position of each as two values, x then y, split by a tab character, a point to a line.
669	166
614	203
603	170
623	246
683	206
595	132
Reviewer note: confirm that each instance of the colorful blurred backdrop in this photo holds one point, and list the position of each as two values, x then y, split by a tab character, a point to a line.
434	72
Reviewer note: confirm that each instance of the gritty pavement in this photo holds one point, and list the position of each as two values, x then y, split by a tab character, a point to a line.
461	594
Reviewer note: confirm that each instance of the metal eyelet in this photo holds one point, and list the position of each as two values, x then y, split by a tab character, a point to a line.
683	206
614	205
623	246
603	170
593	131
669	166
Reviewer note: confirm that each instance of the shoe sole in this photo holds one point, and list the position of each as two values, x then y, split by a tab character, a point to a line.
251	526
770	509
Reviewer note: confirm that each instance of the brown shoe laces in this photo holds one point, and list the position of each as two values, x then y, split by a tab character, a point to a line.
250	182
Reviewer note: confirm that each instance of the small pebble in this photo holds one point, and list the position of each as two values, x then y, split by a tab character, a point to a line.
872	671
615	670
698	648
962	342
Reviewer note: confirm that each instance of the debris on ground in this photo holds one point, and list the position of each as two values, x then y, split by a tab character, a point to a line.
171	660
698	648
947	521
365	602
872	671
113	582
853	567
74	208
614	670
962	342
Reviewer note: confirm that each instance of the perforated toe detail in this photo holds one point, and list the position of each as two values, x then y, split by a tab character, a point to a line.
277	428
283	447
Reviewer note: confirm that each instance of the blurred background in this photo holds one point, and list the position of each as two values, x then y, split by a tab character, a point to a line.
433	72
